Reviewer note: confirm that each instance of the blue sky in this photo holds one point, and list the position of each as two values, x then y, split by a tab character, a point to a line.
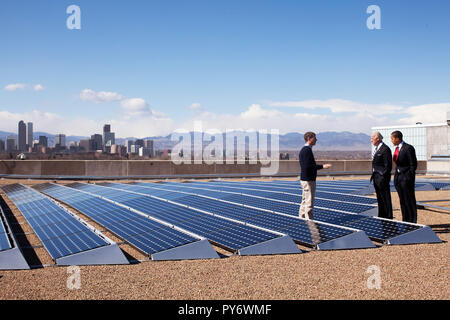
161	65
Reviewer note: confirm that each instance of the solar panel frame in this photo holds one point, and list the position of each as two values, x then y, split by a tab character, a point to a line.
294	227
293	194
360	222
151	237
258	235
57	243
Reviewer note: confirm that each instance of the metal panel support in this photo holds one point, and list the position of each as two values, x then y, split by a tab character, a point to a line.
422	235
357	240
197	250
110	254
281	245
13	259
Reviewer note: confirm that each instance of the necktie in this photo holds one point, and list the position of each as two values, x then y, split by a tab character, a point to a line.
396	155
373	152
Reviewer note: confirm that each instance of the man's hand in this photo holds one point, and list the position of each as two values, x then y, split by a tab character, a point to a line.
327	166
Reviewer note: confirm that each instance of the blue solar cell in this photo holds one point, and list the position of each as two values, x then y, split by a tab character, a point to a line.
60	232
240	236
145	234
375	228
160	240
382	229
230	234
4	242
74	243
258	218
336	205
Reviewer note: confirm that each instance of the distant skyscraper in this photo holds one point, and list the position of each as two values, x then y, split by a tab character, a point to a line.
140	143
134	149
29	135
22	136
43	141
2	146
60	140
145	152
85	145
97	142
128	145
149	145
108	137
11	143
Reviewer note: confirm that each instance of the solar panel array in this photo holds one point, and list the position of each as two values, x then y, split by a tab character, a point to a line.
377	229
146	235
60	232
225	233
306	232
247	217
345	203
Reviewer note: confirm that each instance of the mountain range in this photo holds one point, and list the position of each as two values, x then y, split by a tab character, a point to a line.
330	140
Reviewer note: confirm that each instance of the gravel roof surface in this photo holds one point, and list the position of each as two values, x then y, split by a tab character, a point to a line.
406	272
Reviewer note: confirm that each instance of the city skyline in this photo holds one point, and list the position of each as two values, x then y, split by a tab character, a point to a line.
152	67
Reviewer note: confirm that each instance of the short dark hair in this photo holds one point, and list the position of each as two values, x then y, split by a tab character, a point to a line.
397	134
309	135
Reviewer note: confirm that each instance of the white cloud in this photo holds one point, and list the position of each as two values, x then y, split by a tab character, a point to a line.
427	113
99	97
196	107
135	107
38	87
256	112
15	86
257	117
341	105
139	120
53	123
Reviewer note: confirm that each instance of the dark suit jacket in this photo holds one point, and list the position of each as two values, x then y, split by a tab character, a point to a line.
382	163
406	163
308	164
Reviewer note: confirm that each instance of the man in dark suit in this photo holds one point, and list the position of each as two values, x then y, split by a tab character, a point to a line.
381	175
405	176
308	175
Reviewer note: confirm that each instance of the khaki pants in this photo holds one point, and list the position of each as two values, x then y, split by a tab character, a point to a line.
306	209
309	192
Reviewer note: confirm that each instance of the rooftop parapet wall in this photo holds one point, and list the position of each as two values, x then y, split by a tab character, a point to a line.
165	168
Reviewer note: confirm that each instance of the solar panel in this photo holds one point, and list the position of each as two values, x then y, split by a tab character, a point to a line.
242	194
4	241
305	232
147	235
295	193
296	189
11	257
228	234
60	232
375	228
